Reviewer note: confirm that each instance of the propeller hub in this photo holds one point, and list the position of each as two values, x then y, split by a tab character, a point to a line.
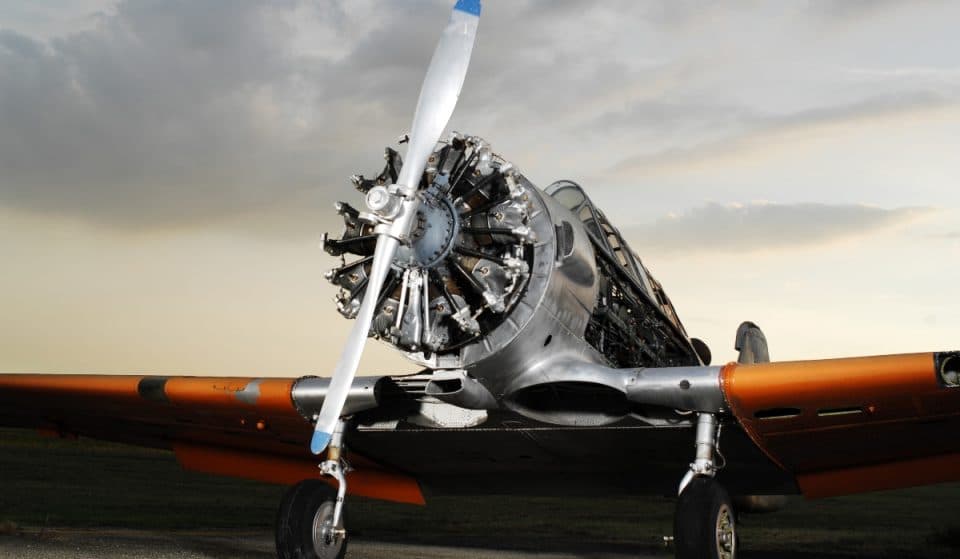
382	202
435	228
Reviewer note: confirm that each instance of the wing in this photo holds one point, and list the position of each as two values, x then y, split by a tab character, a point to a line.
833	427
851	425
240	427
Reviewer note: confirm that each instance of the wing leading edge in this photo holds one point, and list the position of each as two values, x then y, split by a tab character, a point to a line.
845	426
240	427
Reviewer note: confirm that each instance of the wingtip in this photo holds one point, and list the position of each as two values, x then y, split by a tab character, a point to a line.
468	6
319	442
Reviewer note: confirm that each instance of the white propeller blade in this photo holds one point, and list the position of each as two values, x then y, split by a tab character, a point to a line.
438	97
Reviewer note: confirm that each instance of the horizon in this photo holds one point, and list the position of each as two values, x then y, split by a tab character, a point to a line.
168	168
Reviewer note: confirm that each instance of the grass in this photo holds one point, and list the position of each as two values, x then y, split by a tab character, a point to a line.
55	483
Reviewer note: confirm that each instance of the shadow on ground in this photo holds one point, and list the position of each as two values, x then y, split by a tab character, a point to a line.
85	484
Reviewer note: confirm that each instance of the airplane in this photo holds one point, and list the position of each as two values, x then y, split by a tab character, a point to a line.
553	364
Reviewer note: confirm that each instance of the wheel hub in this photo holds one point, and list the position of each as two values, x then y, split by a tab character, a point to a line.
726	534
327	538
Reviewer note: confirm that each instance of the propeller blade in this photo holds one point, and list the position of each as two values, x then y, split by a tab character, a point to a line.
440	89
353	349
438	97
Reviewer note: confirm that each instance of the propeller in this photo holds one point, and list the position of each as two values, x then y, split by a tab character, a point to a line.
396	207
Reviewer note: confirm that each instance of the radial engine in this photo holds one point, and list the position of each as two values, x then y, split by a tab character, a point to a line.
504	289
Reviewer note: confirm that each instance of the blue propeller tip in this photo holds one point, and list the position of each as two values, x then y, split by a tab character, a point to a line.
469	6
319	442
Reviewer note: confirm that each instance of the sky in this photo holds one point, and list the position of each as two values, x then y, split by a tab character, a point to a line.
167	167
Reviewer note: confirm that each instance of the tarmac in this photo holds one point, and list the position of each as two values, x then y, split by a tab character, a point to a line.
71	543
140	544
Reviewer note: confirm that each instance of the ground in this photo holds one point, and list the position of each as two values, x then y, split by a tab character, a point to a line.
71	499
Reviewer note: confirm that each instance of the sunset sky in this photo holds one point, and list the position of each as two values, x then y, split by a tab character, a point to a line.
167	167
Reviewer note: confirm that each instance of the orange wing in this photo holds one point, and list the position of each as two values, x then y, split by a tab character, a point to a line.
238	427
839	426
851	425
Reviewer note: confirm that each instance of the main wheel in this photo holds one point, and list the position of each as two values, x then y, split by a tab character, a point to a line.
704	525
305	527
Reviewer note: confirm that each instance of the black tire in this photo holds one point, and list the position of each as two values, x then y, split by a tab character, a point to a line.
304	508
704	526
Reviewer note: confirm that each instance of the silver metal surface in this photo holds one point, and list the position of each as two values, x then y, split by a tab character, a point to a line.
673	388
404	289
706	444
546	327
335	469
382	203
681	388
327	537
571	375
633	305
411	323
308	394
461	390
435	230
334	466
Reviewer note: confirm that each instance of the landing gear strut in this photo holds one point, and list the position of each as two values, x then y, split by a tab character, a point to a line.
310	521
704	525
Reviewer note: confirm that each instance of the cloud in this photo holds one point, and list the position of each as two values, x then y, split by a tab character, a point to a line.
934	75
178	114
150	118
846	11
251	116
761	133
237	114
759	226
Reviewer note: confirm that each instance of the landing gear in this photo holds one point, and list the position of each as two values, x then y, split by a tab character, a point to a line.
310	520
305	525
704	525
